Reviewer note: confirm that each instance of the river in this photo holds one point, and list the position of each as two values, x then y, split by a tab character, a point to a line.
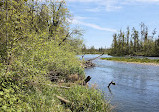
137	85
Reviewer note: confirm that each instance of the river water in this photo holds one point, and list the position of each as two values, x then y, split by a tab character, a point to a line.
137	85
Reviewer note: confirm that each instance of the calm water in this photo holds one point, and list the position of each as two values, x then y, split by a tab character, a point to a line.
137	85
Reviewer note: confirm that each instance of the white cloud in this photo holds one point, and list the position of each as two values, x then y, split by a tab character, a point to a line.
147	0
80	18
111	5
78	22
94	9
108	5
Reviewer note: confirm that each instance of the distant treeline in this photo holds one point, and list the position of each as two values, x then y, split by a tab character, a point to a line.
134	42
93	50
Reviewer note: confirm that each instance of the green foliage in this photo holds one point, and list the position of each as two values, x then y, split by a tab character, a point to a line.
87	100
36	41
17	96
32	37
93	50
135	43
40	95
11	95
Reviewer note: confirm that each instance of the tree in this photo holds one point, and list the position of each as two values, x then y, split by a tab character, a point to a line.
28	27
135	37
127	40
145	45
92	50
114	45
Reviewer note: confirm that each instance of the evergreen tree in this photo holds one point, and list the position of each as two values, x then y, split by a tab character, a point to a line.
140	43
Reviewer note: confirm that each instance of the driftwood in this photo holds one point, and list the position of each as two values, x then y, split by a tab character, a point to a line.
113	83
65	87
96	57
63	100
89	63
86	80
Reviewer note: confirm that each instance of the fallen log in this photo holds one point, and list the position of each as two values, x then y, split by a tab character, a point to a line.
88	63
65	87
63	100
96	57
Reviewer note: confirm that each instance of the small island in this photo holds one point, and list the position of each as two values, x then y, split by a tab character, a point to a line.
134	60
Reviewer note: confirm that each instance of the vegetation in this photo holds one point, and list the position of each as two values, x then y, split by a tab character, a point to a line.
37	44
131	59
135	42
93	50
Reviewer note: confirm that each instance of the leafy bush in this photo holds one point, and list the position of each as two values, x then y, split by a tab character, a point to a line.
35	41
87	100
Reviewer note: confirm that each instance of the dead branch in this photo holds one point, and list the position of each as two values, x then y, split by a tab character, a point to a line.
65	87
113	83
95	57
63	100
64	39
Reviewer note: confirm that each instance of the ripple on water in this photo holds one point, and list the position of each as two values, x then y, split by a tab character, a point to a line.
137	85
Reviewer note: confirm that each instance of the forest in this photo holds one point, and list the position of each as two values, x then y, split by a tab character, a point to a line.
93	50
135	42
36	44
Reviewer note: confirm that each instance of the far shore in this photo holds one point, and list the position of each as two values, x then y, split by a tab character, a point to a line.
134	61
154	64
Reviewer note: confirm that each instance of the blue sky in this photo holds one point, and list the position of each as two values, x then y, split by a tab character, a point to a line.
100	19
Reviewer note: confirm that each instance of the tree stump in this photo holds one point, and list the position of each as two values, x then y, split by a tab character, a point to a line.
86	80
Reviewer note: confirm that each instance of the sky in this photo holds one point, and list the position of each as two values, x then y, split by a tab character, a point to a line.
100	19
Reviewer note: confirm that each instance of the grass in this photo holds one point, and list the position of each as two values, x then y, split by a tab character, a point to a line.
41	96
82	98
130	59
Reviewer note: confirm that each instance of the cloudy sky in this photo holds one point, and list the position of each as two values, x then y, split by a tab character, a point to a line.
100	19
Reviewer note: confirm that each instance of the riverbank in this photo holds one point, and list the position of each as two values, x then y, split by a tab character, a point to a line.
34	61
145	61
40	95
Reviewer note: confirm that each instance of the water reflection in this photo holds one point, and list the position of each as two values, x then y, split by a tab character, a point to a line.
137	85
110	91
